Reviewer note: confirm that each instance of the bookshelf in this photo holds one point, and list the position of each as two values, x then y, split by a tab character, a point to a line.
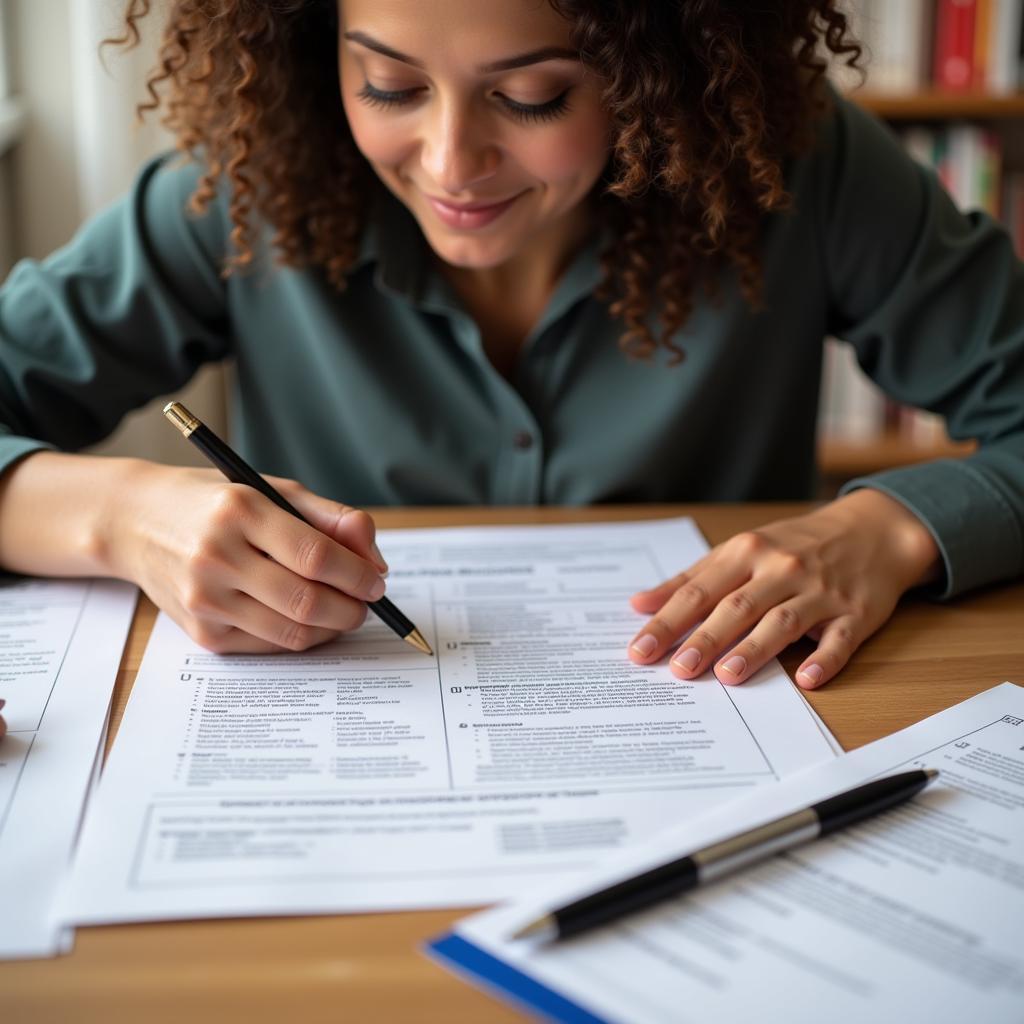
941	105
948	76
841	458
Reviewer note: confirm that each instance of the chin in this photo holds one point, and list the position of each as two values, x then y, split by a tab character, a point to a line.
470	253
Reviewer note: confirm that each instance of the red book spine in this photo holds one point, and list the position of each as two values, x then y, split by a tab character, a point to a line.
954	44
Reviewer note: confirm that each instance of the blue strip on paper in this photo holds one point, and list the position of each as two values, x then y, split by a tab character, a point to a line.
495	973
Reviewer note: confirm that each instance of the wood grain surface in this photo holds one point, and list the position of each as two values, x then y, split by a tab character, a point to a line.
370	968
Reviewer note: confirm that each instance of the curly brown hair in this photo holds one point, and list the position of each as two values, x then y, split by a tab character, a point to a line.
707	100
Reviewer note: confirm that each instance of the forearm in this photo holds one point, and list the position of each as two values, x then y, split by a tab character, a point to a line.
57	512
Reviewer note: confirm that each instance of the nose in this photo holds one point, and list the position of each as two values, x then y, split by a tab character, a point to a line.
457	152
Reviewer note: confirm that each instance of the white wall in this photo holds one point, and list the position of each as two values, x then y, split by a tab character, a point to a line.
80	150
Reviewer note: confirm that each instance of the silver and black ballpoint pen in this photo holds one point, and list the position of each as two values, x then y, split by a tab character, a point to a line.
240	472
724	857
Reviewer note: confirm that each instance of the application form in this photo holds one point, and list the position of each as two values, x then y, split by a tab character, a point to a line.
912	915
61	643
364	775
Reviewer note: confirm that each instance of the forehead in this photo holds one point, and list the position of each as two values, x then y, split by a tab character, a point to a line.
465	30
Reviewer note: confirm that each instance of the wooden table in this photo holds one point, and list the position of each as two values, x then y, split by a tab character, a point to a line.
367	968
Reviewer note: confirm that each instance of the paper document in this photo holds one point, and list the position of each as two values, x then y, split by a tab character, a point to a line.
912	915
364	775
62	643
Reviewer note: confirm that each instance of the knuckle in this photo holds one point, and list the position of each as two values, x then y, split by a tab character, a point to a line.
833	659
296	637
660	628
311	554
740	603
786	621
694	594
703	638
750	543
195	599
844	637
754	649
304	603
230	505
790	563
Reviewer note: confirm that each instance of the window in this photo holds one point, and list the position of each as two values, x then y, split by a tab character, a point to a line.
11	112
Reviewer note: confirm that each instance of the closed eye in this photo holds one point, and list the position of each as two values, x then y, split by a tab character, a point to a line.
384	98
526	112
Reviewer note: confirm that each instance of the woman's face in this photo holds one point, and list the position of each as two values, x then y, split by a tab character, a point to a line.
476	115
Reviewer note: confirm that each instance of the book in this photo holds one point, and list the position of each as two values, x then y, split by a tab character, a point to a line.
1005	26
980	69
954	44
903	45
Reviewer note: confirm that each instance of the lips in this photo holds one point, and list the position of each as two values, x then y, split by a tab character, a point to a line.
469	215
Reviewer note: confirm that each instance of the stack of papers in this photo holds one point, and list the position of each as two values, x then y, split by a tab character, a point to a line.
62	643
914	915
364	775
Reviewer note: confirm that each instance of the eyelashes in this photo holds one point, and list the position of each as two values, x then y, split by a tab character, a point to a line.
528	113
533	112
385	100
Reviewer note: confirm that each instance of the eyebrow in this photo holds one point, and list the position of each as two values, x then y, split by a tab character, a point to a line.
521	60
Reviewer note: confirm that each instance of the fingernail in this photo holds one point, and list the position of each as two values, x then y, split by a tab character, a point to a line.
812	673
645	645
377	590
735	666
688	659
375	551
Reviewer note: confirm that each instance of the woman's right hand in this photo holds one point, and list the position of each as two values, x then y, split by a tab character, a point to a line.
237	573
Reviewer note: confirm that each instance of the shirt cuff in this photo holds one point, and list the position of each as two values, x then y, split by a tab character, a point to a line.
14	448
974	526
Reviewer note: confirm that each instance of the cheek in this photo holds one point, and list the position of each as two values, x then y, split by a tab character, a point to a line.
572	152
376	137
376	134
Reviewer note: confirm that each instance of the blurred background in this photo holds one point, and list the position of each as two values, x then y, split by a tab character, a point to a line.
69	145
945	74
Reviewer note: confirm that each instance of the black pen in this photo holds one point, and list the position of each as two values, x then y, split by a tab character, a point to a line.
722	858
240	472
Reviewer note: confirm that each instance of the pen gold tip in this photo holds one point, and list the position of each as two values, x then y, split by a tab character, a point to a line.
416	639
543	927
181	417
932	773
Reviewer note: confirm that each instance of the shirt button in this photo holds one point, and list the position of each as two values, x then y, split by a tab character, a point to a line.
523	440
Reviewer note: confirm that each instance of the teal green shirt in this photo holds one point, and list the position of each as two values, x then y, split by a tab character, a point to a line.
383	394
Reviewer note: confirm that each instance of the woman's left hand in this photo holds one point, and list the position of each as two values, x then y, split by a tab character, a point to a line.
834	574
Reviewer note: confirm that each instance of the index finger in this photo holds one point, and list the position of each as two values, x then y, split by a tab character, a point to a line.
651	600
308	552
688	605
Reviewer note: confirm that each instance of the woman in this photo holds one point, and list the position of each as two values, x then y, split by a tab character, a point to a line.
516	252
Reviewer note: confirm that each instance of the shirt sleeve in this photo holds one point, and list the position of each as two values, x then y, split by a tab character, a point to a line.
127	311
932	301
